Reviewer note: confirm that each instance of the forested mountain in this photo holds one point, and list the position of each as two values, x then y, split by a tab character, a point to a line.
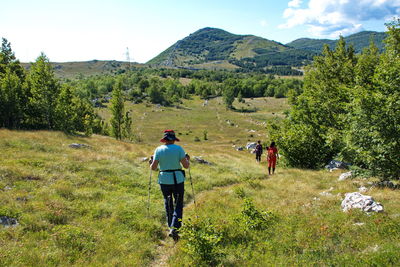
212	48
216	49
358	40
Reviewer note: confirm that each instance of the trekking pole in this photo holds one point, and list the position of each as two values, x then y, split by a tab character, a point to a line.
148	201
194	198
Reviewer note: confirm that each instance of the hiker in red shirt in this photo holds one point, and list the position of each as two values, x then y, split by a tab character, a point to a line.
272	155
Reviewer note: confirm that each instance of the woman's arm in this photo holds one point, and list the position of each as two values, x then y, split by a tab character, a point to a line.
186	161
154	165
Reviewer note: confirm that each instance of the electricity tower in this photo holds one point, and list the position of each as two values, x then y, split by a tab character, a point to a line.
128	59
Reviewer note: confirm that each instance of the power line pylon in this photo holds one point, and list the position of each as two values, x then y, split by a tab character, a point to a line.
128	59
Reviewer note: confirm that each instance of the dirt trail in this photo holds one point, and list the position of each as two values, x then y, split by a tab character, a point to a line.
165	249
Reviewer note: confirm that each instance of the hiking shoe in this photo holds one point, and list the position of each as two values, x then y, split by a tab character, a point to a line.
174	234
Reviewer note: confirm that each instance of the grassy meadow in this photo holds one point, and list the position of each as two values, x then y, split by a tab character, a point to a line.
88	206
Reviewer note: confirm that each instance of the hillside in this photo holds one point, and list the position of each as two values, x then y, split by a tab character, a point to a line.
88	68
212	48
88	206
358	40
216	49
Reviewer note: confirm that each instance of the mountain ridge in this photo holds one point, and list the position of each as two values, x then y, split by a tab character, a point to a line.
359	41
217	49
213	48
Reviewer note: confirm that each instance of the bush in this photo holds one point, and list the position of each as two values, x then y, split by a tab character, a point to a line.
200	240
301	145
252	219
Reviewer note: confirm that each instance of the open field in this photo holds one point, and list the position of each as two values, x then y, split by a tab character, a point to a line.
88	206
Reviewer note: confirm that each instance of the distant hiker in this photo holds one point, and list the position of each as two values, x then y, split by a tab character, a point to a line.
259	151
272	155
168	158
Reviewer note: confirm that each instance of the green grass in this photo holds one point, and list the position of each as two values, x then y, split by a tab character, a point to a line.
89	206
303	227
71	70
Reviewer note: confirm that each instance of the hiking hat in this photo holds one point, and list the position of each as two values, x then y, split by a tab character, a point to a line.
169	135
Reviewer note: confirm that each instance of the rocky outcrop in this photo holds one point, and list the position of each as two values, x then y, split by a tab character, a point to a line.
345	176
77	146
251	146
336	165
201	160
8	222
357	200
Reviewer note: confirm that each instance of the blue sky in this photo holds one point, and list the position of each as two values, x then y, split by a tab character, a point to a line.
80	30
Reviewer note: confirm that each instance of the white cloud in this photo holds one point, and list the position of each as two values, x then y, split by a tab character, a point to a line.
329	18
294	3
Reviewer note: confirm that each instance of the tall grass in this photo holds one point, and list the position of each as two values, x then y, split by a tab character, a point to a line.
88	206
305	228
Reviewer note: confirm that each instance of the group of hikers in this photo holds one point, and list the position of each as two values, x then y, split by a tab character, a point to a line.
272	155
169	158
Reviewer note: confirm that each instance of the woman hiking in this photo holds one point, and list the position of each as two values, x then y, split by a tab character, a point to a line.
272	156
170	158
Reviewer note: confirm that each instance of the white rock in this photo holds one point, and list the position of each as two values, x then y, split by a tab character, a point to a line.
344	176
199	159
76	145
251	146
8	222
357	200
336	164
358	224
362	189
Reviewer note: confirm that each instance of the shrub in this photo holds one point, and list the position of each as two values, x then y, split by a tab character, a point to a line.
251	218
201	239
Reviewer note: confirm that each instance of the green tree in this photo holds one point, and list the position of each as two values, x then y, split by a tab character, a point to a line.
240	97
127	126
375	133
84	115
228	97
8	60
65	110
156	94
321	110
44	89
11	100
13	95
117	110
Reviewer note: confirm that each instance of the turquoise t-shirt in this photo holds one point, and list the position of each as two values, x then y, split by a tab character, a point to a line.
169	157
